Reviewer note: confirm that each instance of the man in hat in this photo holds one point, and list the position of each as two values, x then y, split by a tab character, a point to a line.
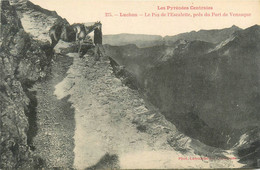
99	50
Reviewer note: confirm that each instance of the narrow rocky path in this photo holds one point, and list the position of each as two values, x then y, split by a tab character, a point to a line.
55	119
111	118
102	122
51	120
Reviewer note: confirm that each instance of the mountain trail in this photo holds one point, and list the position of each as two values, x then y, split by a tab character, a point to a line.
112	118
103	114
55	119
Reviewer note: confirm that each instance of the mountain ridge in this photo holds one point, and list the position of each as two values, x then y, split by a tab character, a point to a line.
145	40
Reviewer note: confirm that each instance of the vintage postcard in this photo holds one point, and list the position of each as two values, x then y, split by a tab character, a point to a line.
130	84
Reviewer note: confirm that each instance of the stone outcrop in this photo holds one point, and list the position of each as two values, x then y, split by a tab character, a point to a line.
22	62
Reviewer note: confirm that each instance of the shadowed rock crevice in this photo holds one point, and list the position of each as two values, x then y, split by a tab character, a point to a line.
31	112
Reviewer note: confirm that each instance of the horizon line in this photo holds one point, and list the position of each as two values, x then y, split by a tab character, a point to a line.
178	33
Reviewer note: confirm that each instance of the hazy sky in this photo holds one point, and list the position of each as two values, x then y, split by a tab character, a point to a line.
93	10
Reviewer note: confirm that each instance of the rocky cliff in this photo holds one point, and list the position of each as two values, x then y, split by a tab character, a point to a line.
23	62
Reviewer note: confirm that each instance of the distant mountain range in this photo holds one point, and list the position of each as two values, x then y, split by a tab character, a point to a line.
141	40
213	36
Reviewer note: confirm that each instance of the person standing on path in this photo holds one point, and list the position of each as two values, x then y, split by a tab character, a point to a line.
99	50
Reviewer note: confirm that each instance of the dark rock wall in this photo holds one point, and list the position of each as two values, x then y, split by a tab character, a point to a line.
22	60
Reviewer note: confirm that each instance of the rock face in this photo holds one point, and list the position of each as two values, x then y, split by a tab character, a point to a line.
23	61
35	20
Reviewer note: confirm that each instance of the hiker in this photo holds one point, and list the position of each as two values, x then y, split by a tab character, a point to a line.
99	50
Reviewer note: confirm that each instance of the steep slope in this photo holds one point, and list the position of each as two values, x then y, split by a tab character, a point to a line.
23	62
209	91
219	89
51	128
138	60
113	122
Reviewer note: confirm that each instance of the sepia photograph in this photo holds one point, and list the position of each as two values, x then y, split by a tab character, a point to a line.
129	84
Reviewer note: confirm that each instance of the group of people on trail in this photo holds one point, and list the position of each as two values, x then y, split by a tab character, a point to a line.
78	33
